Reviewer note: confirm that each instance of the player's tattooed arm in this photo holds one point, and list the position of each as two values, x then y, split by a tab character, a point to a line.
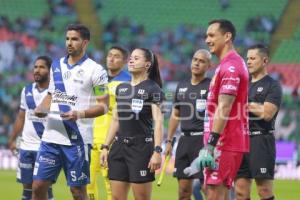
223	110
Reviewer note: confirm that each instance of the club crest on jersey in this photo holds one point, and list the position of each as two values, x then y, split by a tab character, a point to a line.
260	89
67	75
137	105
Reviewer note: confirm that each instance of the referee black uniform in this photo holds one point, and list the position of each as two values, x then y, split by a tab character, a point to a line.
133	146
190	100
260	161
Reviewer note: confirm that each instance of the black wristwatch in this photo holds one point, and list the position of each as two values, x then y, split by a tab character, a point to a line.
157	149
104	146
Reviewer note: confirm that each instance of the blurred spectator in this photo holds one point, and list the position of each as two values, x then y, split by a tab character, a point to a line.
224	4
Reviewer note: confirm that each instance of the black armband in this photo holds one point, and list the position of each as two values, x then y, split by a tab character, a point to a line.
213	138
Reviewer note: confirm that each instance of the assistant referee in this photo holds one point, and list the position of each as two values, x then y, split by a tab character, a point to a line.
264	101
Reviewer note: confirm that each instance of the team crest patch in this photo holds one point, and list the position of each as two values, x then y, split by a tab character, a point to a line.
137	105
67	75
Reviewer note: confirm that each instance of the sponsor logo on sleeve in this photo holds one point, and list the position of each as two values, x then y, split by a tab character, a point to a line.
28	94
57	70
231	69
229	87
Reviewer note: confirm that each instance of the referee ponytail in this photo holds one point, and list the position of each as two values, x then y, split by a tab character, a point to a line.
153	71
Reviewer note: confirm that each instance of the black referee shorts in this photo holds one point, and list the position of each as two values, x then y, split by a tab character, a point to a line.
129	162
187	150
260	161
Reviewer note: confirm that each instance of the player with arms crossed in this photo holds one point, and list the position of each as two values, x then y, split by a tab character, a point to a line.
115	61
227	127
188	109
75	84
30	126
264	102
134	156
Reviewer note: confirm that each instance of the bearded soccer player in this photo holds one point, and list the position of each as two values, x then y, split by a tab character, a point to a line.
31	126
76	84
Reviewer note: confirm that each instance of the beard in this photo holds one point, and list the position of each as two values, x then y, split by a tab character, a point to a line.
40	78
74	52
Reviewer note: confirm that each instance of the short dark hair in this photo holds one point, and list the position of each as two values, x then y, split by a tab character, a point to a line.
47	60
261	49
225	26
122	50
83	30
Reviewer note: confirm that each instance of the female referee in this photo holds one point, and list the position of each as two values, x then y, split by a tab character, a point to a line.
136	130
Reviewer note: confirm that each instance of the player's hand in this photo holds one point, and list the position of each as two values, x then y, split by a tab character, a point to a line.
168	149
103	158
71	115
206	157
12	146
40	112
155	162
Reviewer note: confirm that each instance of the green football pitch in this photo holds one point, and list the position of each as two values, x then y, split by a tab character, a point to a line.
10	190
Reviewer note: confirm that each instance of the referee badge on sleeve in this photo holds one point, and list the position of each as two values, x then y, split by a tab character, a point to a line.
137	105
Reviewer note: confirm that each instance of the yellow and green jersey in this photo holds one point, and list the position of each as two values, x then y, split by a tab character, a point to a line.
102	123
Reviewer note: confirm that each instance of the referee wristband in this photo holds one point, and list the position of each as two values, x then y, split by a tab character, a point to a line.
213	138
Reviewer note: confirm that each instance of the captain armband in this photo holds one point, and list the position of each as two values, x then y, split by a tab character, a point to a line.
100	90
